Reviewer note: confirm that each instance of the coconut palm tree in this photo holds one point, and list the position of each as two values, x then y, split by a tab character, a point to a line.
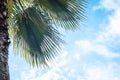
33	29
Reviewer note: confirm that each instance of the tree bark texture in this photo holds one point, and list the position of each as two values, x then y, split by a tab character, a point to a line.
4	41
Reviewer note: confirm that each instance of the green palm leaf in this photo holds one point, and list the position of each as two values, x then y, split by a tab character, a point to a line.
34	26
34	37
65	13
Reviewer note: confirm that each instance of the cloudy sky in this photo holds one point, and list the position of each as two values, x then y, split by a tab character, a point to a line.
91	53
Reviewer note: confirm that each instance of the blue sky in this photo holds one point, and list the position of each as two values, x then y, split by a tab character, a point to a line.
91	53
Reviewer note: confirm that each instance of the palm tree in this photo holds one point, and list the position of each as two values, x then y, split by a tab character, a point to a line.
33	29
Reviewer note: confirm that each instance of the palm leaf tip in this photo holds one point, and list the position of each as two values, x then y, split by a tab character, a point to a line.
67	13
34	38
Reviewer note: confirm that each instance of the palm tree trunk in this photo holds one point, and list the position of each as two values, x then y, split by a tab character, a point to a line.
4	41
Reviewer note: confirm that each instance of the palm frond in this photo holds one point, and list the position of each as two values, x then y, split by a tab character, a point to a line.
65	13
10	7
34	37
31	27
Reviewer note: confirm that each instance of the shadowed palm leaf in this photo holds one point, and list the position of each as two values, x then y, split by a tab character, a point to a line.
34	37
31	27
67	13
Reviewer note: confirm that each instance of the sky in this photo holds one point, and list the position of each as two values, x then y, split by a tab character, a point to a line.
90	53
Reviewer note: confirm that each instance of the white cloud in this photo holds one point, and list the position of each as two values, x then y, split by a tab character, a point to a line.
50	75
27	75
85	45
33	74
102	72
77	56
108	5
55	72
112	30
109	35
89	47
